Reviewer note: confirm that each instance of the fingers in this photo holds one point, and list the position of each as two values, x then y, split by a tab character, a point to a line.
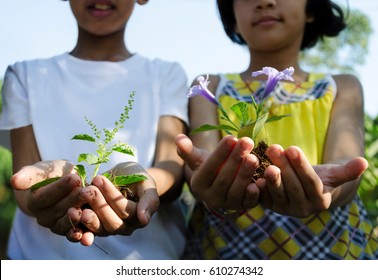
110	206
273	183
292	183
148	199
222	178
195	157
148	204
86	238
335	175
291	186
51	194
252	195
235	171
192	156
65	214
68	222
241	195
32	174
115	213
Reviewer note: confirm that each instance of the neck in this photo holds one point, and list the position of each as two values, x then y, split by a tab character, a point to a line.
101	48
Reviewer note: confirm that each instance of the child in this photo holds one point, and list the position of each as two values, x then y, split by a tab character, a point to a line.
46	102
296	211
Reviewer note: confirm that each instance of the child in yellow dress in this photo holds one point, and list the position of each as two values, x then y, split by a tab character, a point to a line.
306	205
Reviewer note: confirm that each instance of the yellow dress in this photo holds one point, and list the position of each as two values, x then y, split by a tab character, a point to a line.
342	233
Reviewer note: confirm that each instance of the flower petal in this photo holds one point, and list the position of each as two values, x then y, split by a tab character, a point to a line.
274	76
202	90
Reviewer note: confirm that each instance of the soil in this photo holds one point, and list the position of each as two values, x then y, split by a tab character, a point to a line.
260	152
127	193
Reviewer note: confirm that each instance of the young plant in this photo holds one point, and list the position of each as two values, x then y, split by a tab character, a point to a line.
249	125
103	139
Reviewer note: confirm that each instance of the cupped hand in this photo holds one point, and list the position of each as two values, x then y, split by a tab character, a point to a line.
112	213
57	205
222	179
292	186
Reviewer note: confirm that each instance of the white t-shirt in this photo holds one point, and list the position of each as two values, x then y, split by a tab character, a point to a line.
55	95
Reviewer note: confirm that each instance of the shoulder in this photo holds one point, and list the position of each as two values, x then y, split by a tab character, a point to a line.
31	64
161	64
348	84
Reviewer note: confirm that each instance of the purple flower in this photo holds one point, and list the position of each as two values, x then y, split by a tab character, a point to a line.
274	76
201	89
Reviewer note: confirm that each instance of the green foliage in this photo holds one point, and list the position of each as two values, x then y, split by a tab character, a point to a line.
250	123
7	200
103	151
104	148
368	190
1	100
329	56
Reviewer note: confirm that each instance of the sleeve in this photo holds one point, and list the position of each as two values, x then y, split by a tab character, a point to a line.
15	111
174	88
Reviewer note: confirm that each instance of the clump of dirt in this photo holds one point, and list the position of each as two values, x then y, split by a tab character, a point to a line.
127	193
260	152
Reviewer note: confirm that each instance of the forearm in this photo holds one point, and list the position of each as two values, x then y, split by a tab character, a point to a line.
169	179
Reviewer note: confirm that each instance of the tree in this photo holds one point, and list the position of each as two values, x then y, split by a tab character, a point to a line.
354	41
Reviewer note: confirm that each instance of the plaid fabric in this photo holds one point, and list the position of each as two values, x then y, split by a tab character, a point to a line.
280	94
342	233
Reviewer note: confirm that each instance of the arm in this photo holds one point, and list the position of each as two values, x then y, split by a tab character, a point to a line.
292	186
56	206
346	134
168	168
59	205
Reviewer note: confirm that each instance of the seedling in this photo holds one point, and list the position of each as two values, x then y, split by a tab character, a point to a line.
103	139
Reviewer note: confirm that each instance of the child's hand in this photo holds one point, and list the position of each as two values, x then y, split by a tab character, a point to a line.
111	213
293	187
222	179
56	205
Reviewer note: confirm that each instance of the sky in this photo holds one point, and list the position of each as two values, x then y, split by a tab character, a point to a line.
185	31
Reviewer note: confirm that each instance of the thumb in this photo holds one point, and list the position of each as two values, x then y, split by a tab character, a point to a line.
193	156
355	168
342	173
42	170
147	205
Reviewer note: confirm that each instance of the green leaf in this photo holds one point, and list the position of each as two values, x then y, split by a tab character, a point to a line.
246	131
84	137
123	180
124	149
260	122
80	169
89	158
207	127
241	111
277	118
44	183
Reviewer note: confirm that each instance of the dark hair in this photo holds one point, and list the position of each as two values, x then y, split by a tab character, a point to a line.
328	21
